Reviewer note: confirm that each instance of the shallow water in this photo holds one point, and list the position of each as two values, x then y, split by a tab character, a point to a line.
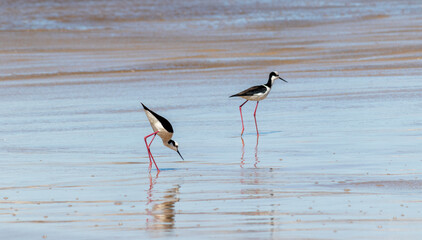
337	158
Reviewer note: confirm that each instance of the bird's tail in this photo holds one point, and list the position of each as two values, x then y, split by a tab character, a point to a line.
235	95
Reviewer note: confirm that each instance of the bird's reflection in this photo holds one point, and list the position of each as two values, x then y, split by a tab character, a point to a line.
256	152
253	187
242	158
152	182
161	214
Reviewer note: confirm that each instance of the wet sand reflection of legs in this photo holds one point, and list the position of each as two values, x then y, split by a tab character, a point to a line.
256	149
152	182
163	213
242	157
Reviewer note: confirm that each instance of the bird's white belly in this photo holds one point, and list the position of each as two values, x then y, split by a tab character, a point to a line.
257	97
157	126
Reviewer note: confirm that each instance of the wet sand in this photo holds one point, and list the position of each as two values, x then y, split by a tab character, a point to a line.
339	152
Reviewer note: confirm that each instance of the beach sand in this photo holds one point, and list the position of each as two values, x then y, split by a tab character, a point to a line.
339	152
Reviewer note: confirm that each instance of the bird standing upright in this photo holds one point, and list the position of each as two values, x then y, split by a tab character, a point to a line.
257	93
164	130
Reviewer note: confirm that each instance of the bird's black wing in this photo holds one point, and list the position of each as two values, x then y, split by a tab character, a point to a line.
251	91
166	124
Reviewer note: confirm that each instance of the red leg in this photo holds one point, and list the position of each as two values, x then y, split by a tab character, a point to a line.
254	115
149	148
149	145
241	117
149	154
149	151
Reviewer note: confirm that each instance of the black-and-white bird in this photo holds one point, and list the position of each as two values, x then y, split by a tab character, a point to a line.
257	93
163	129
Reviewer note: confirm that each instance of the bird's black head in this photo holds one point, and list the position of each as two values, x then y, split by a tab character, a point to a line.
175	146
274	75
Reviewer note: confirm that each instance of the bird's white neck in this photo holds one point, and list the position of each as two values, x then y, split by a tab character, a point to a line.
167	144
271	81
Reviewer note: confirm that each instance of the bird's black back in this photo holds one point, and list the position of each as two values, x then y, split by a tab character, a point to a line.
166	124
251	91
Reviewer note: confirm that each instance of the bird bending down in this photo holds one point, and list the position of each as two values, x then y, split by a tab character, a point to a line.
164	130
257	93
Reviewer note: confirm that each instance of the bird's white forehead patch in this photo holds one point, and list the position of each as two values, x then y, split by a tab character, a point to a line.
276	73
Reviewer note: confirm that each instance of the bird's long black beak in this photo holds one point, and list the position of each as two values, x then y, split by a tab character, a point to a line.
180	155
282	79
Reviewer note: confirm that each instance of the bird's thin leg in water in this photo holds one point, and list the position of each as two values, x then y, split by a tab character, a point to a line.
149	154
254	115
241	117
149	151
149	145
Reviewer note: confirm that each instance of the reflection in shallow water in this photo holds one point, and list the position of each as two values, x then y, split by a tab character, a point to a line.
254	188
256	152
152	182
163	213
242	158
